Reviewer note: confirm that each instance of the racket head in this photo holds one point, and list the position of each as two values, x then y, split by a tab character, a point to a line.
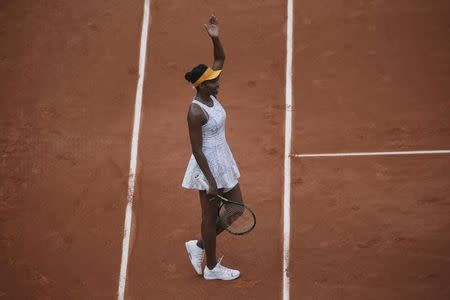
234	217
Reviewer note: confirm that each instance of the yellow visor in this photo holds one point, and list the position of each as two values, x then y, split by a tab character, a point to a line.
209	74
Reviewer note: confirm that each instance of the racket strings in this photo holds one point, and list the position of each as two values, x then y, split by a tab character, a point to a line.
236	218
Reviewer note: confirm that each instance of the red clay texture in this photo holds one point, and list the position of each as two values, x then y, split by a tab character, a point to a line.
368	76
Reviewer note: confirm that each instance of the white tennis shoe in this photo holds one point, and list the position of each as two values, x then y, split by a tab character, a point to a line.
220	272
195	254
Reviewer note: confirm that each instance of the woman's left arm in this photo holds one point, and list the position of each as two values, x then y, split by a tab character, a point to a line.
213	31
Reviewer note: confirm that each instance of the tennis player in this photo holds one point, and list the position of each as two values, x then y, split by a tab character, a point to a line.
211	169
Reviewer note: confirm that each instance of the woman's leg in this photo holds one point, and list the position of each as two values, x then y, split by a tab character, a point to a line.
234	213
208	229
234	194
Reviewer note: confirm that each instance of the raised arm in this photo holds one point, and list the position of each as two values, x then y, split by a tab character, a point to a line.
212	28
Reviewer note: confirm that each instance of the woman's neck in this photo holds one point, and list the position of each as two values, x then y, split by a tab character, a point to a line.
203	98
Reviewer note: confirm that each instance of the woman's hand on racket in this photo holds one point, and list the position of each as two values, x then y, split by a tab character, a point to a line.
212	27
212	191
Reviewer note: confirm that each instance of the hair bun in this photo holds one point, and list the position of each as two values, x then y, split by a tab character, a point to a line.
188	76
195	73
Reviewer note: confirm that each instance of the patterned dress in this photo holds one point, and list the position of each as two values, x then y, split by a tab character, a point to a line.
216	150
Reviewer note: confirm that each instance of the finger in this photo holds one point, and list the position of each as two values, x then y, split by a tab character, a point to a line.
213	19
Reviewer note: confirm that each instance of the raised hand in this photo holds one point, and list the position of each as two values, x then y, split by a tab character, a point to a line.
212	27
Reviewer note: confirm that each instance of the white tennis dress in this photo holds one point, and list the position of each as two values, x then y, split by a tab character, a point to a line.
217	152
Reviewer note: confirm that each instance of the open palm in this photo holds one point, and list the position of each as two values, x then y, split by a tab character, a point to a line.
212	27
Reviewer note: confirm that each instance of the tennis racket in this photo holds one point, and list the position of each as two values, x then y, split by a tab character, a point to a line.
235	217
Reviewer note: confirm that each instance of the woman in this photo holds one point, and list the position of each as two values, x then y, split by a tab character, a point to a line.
211	169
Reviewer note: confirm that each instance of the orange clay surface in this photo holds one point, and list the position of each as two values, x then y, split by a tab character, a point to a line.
368	76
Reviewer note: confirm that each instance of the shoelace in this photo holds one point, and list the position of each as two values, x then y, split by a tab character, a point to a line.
198	254
224	269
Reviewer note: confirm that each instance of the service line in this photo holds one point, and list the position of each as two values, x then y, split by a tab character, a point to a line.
134	152
421	152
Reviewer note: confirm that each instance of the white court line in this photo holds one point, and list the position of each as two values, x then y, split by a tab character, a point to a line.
134	151
371	153
287	150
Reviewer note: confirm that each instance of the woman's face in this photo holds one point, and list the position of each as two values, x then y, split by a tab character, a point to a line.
210	87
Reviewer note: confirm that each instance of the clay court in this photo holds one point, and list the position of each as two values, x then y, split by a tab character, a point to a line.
367	76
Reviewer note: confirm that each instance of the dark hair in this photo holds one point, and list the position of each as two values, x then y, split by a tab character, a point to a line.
196	72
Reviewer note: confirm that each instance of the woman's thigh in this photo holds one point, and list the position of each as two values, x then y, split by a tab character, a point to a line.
234	194
209	207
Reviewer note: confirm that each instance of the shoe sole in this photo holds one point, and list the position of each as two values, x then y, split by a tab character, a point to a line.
189	257
222	278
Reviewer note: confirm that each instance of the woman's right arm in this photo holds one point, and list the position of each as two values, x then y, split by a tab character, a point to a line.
213	31
195	120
